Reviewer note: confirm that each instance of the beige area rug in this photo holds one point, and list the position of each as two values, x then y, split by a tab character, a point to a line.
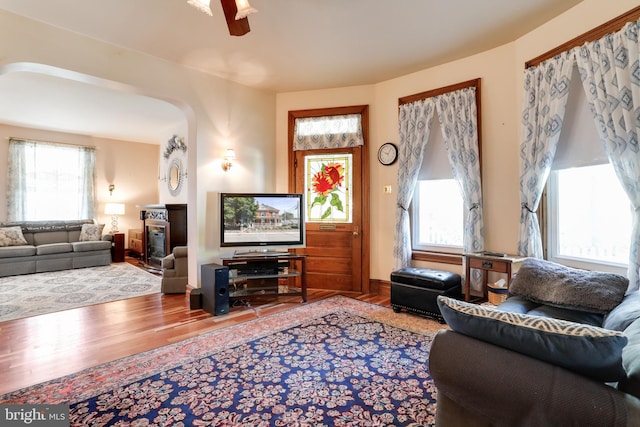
33	294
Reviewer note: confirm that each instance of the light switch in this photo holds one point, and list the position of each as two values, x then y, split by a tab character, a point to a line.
387	189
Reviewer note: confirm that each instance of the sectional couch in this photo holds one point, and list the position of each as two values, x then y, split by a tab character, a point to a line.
38	246
562	350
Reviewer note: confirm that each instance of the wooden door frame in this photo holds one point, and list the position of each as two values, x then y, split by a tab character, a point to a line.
365	235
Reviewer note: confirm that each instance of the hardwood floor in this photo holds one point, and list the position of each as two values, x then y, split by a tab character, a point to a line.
40	348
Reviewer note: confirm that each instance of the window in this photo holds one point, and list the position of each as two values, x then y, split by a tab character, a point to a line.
437	215
441	204
588	214
50	181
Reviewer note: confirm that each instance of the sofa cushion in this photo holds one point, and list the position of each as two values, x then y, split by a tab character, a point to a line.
48	237
91	246
624	314
518	304
588	350
53	248
549	283
91	232
17	251
631	360
12	236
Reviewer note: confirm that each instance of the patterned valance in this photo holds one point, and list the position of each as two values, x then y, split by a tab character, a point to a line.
315	133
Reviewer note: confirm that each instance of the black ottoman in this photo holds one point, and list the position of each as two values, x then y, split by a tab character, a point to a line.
416	290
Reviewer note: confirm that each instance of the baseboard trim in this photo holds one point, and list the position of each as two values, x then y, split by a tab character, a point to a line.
380	287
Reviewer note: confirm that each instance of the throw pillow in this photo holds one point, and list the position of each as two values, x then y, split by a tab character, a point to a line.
588	350
91	232
549	283
12	236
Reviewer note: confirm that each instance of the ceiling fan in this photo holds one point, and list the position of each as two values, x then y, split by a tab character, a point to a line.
235	13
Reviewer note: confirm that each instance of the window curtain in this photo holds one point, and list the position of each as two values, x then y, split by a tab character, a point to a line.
314	133
414	129
50	181
609	73
546	88
457	115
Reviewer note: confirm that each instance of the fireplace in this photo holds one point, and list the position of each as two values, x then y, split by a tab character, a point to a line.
165	227
156	243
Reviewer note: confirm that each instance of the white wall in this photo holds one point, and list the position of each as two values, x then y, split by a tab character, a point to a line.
218	113
501	71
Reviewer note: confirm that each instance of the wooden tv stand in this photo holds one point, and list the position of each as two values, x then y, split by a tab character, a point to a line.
256	275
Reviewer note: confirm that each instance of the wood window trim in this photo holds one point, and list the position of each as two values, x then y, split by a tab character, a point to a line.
594	34
447	257
363	110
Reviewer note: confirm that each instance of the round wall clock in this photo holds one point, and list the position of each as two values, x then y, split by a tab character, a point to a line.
388	153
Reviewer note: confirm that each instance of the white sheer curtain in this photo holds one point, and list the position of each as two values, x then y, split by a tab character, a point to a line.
49	181
457	113
414	128
546	89
609	72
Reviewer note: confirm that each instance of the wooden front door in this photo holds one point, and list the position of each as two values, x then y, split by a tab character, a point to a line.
337	242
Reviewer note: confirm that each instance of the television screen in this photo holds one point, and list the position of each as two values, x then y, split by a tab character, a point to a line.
253	219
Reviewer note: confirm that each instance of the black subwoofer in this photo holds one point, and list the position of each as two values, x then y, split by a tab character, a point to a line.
215	288
195	299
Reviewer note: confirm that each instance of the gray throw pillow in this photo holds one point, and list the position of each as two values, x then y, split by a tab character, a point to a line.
549	283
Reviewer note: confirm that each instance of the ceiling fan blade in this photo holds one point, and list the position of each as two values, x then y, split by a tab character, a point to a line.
238	27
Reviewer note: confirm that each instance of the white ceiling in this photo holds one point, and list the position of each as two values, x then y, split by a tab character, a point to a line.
293	45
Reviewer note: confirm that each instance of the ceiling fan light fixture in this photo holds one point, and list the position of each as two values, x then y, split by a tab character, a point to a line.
244	9
201	5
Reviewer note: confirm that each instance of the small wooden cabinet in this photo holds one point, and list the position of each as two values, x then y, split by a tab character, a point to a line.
117	247
136	243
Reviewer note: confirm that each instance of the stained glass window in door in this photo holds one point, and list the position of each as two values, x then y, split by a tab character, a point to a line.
328	187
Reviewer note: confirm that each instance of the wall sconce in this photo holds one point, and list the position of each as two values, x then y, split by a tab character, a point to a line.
228	159
111	188
244	9
114	209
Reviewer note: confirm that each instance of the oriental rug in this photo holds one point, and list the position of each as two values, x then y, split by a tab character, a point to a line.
336	362
41	293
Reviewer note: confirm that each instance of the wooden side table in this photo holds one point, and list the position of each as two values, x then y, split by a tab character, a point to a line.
507	264
117	247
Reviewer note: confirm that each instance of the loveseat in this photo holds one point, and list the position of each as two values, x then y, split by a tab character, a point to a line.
563	351
38	246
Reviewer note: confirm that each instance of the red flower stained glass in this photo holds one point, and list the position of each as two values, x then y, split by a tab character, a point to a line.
325	182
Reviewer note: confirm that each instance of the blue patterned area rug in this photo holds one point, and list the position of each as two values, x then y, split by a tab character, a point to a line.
336	362
41	293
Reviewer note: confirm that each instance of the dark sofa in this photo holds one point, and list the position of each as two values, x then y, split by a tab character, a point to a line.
531	362
39	246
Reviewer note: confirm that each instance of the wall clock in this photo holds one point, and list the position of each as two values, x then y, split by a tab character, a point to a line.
388	153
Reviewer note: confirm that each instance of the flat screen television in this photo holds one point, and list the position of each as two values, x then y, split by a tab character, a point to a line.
262	221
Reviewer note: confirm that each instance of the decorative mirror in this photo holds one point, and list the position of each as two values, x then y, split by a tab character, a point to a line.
175	177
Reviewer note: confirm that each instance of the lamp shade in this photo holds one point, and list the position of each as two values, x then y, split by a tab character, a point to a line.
201	5
114	209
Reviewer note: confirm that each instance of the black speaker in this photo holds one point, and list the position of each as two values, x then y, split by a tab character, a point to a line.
215	288
195	299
